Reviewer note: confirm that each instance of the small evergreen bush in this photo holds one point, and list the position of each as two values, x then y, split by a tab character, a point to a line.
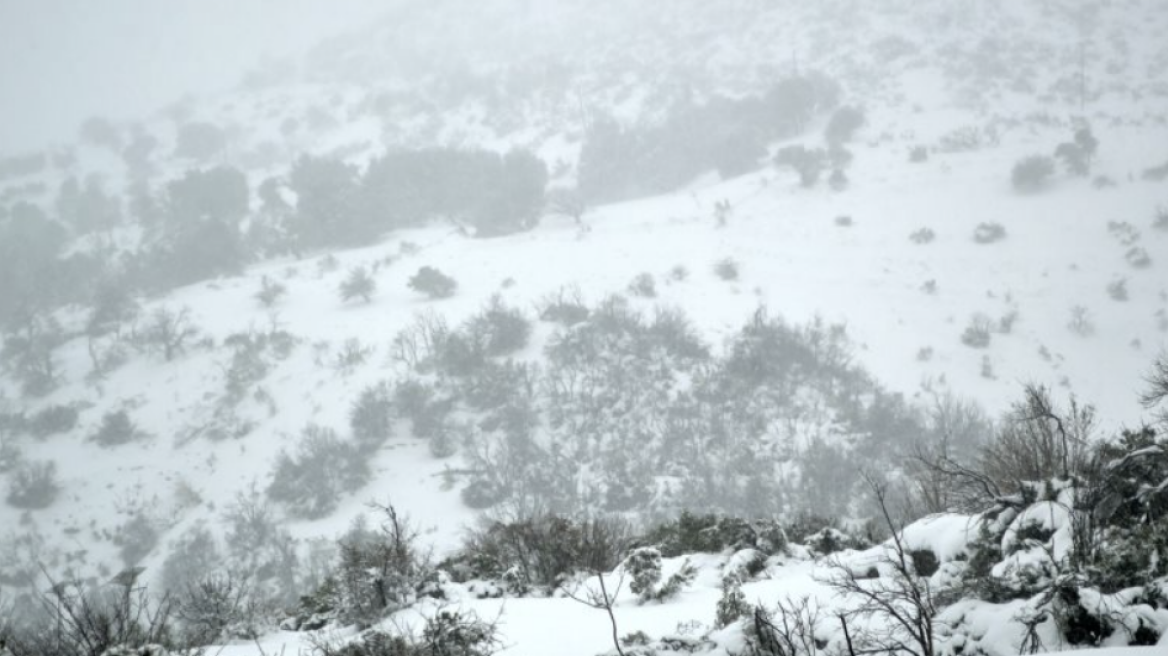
116	429
433	283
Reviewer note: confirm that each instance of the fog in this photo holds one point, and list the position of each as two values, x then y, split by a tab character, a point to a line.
322	314
66	60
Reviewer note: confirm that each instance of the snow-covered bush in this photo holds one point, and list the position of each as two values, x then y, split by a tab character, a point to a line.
381	570
447	633
732	605
644	569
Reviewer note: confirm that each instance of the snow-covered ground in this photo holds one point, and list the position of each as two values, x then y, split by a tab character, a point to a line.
905	304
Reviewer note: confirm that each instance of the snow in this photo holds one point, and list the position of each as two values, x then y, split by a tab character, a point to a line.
1060	252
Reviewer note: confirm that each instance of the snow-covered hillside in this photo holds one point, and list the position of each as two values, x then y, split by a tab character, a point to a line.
946	277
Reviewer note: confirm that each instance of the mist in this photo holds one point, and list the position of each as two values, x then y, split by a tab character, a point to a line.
583	327
64	61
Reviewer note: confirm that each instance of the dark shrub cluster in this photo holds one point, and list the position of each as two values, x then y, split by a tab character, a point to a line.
371	417
33	485
309	481
724	135
710	533
636	396
52	420
540	551
499	329
433	283
116	429
1031	173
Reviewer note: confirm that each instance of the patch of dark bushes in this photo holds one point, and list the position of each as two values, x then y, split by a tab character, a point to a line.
710	533
540	551
309	481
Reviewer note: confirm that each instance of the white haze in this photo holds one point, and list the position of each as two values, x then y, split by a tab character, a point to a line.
62	61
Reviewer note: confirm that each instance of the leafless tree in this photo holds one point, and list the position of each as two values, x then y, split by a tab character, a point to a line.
168	331
1037	441
899	605
600	598
1157	391
568	202
88	622
790	630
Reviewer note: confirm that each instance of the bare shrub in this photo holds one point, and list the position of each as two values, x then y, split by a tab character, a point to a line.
270	291
167	332
217	607
897	609
74	619
380	570
565	306
540	550
1036	441
977	332
1081	322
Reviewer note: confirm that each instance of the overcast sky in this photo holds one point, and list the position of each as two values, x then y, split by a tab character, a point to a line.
62	61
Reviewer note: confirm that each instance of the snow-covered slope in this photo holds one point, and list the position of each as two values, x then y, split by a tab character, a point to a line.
980	85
